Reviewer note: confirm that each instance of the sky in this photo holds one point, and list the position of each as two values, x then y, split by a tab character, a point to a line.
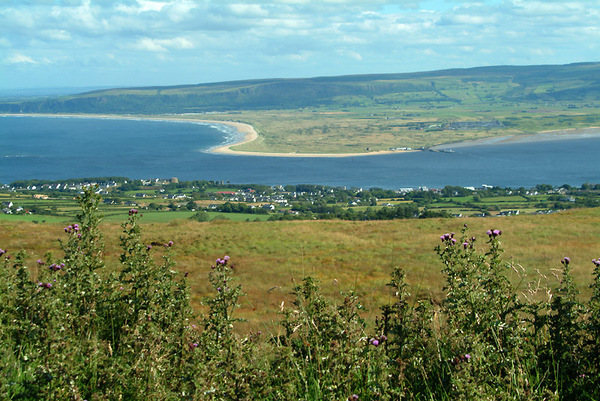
125	43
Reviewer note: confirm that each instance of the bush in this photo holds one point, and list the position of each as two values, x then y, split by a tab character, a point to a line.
75	332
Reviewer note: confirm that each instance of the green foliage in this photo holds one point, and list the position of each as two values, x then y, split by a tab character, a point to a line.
70	330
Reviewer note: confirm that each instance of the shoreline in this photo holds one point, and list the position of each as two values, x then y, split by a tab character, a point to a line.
249	134
542	136
247	131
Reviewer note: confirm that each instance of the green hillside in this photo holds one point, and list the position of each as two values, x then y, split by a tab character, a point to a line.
458	86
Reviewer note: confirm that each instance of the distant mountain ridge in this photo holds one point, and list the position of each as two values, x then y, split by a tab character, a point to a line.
571	82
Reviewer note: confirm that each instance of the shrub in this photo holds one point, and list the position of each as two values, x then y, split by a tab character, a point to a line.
70	330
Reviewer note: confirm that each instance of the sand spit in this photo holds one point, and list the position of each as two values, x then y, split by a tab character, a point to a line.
249	134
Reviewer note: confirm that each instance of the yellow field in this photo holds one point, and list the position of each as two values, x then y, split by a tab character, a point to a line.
271	256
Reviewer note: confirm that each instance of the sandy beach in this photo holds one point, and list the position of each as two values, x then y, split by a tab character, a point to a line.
247	130
250	134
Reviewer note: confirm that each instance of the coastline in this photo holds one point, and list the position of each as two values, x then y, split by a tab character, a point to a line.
246	130
249	134
542	136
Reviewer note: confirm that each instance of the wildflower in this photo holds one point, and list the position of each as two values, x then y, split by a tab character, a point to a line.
48	285
453	241
40	262
467	356
148	247
566	260
132	212
353	397
375	342
226	258
594	261
2	251
465	245
493	233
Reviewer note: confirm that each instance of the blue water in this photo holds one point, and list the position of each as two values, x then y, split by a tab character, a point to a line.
60	148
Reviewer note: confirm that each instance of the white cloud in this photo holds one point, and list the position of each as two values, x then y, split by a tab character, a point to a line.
350	54
261	38
163	45
19	58
248	10
56	34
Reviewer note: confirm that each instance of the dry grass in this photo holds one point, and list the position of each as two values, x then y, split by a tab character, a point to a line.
346	256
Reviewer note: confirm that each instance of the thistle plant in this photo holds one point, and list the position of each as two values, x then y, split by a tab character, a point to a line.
71	330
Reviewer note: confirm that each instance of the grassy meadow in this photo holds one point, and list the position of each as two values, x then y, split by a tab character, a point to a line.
271	257
376	127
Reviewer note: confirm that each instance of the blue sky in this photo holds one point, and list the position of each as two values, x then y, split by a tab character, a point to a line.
88	43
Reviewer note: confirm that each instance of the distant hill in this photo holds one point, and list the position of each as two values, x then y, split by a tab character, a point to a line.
572	82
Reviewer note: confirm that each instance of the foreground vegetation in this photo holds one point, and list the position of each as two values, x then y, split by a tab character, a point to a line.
71	330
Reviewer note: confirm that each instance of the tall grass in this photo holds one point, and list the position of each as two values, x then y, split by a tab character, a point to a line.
73	329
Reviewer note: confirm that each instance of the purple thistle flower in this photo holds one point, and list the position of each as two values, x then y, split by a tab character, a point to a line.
226	258
148	247
489	232
566	260
40	262
48	285
467	356
375	342
2	251
496	232
132	212
218	261
465	245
